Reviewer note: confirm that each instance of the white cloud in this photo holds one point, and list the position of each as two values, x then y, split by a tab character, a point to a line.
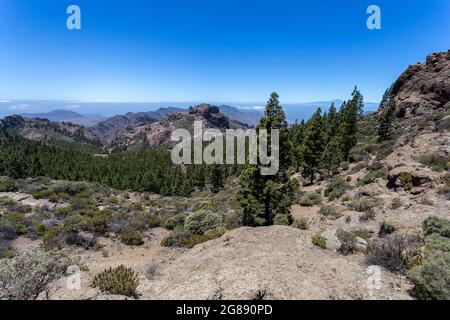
20	107
5	101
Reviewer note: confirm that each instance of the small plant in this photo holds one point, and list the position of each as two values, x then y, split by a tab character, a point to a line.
427	202
336	188
202	221
432	276
131	237
347	240
386	228
330	212
368	215
396	203
364	203
310	199
301	224
117	281
393	252
436	225
27	275
435	161
281	220
175	221
319	241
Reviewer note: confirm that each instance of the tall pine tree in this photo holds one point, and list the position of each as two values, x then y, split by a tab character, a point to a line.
263	197
313	145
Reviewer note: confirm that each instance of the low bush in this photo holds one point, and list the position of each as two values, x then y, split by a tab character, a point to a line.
364	204
386	228
330	212
432	277
310	199
131	237
202	221
117	281
336	188
19	222
26	276
319	241
436	225
184	239
393	252
301	224
281	220
175	221
435	161
396	203
232	220
348	239
7	184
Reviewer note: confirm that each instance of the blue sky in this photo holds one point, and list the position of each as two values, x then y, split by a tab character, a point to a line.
213	50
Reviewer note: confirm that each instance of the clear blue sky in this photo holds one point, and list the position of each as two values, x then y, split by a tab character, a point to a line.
212	50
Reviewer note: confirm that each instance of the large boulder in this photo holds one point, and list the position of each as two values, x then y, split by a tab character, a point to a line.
276	262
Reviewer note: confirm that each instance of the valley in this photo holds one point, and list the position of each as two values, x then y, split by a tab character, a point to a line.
354	192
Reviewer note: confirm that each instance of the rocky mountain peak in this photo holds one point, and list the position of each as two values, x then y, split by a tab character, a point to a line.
423	87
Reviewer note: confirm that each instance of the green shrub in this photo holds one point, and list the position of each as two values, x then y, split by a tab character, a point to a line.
97	222
393	252
215	233
330	212
202	221
310	199
347	240
301	224
175	221
386	228
320	241
435	161
365	234
7	184
436	225
431	279
54	238
78	203
336	188
131	237
281	220
19	222
184	239
29	274
364	204
368	215
232	220
117	281
396	203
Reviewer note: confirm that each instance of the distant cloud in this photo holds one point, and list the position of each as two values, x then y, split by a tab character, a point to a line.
5	101
20	107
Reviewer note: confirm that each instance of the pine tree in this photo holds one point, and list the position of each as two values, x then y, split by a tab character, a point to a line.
358	99
297	131
263	197
348	126
332	156
313	145
386	117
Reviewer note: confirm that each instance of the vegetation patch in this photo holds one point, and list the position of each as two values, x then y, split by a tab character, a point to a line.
117	281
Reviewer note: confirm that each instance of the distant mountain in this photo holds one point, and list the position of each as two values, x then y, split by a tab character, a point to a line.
248	116
53	132
158	133
116	127
67	116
